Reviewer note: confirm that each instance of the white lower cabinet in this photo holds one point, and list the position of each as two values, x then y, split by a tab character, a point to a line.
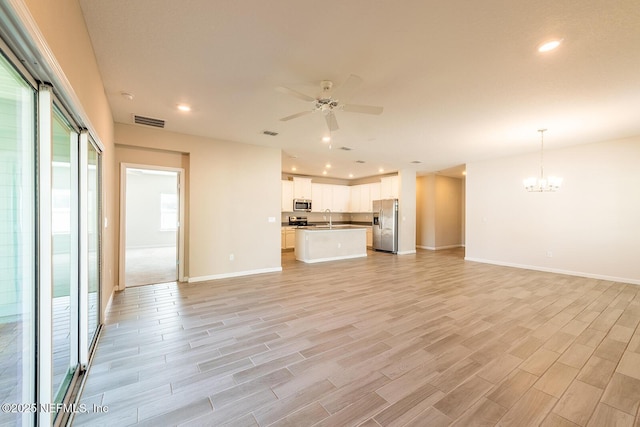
288	237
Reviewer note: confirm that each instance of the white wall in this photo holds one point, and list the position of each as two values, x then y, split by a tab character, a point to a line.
591	227
143	210
223	178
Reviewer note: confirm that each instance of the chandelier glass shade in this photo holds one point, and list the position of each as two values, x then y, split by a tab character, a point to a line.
542	184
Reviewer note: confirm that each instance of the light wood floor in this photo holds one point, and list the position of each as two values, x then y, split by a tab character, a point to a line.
424	340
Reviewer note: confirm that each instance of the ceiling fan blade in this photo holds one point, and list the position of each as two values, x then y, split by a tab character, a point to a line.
346	89
295	116
332	123
295	93
366	109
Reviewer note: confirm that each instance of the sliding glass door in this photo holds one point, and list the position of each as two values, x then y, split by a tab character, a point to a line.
93	196
17	243
50	235
64	241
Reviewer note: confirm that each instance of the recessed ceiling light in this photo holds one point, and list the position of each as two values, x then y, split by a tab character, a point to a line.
350	175
126	95
293	168
381	170
328	166
324	172
550	45
184	107
326	138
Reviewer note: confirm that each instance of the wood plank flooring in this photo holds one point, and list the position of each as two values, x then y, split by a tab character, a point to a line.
412	340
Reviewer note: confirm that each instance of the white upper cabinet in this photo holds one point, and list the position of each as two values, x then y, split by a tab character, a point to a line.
374	191
287	196
341	196
361	198
365	198
329	196
338	198
389	187
318	201
302	188
354	205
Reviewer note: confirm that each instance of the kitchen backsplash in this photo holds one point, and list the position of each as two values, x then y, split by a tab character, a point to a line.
315	217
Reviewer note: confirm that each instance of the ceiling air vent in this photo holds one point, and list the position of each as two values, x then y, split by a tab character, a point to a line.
270	133
148	121
346	148
360	161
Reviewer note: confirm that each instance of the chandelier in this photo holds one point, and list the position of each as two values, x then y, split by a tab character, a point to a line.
541	184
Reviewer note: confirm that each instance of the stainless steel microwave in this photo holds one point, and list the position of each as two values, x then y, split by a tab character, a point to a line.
301	205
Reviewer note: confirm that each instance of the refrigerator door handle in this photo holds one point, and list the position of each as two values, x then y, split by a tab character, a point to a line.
381	216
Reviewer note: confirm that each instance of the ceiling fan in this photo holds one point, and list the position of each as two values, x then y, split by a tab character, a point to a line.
328	102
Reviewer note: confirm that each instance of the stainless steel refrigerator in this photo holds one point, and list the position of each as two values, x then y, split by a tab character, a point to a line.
385	225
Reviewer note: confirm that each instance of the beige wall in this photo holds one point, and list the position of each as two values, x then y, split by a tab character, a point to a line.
233	191
590	227
448	212
63	28
406	212
425	211
440	212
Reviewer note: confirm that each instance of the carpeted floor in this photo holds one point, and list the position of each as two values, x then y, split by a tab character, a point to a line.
150	265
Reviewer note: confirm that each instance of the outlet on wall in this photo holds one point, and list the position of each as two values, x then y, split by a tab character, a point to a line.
231	257
549	254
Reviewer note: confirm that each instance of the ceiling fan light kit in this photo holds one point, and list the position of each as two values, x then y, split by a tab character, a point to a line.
328	102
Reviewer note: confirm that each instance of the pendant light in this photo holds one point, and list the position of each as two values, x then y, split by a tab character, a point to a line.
541	184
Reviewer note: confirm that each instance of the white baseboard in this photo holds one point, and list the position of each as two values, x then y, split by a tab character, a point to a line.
406	252
556	270
313	261
234	274
439	248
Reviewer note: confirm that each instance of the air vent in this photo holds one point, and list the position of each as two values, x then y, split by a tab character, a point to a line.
346	148
148	121
360	161
270	133
416	162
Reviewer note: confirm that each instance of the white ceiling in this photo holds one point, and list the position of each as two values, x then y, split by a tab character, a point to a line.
459	80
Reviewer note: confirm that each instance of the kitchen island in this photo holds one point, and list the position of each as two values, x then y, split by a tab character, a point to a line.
319	244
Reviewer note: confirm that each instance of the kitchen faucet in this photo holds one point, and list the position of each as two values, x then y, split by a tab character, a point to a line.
329	210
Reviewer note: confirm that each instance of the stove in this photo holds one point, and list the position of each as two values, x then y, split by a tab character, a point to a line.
298	220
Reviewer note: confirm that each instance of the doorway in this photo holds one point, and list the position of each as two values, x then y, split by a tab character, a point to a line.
151	240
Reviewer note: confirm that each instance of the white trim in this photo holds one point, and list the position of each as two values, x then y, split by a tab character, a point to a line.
438	248
406	252
44	387
74	290
123	218
83	191
557	271
234	274
123	226
336	258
